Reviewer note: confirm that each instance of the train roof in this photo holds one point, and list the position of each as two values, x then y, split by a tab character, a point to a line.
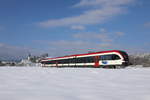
118	51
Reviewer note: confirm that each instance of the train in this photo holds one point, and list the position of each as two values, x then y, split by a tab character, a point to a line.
101	59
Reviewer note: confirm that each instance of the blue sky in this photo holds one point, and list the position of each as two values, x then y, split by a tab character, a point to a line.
61	27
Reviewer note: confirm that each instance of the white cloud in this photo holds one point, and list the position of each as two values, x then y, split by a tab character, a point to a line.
78	27
87	18
93	36
99	11
103	3
103	35
65	43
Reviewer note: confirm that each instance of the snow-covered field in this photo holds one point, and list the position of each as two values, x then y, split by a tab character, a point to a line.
36	83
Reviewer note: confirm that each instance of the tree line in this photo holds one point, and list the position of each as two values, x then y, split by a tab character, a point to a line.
140	60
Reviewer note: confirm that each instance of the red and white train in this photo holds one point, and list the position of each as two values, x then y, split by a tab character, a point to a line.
104	59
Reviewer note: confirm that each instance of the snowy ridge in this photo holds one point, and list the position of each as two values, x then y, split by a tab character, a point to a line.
37	83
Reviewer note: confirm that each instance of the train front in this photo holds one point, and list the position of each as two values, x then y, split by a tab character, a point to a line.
125	58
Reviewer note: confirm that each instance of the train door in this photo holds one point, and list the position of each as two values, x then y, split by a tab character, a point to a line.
56	64
96	60
74	61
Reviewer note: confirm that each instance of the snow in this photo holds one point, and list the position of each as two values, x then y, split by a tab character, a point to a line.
37	83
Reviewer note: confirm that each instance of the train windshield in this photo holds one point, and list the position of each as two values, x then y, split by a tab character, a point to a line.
125	55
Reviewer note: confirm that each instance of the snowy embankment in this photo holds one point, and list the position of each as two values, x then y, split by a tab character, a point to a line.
36	83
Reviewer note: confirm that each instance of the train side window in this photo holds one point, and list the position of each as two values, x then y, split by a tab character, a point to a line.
71	60
109	57
84	60
89	59
67	61
64	61
79	60
60	61
102	57
106	57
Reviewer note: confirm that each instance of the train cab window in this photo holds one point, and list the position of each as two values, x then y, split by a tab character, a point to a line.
115	57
